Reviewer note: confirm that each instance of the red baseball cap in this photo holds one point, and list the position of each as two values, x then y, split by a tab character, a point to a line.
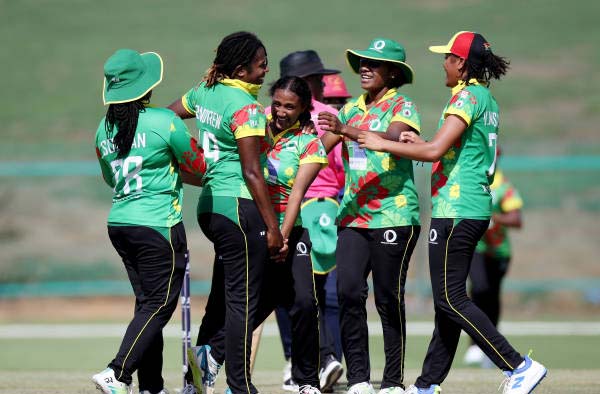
335	86
465	44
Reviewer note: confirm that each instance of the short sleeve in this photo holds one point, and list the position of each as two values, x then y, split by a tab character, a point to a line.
248	121
189	100
406	112
463	105
185	148
313	151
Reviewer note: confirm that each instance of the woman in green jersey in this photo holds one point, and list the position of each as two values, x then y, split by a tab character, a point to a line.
141	151
464	154
234	210
378	218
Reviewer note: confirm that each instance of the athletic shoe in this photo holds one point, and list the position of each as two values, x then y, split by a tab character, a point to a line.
290	385
288	382
524	378
163	391
392	390
330	374
188	389
474	355
361	388
308	389
108	384
433	389
204	368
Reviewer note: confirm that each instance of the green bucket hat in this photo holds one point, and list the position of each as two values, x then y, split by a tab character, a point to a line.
382	49
129	75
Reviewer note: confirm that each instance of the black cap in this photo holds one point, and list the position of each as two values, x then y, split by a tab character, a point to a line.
302	64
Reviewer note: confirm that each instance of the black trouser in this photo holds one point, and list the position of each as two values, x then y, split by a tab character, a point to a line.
155	267
326	336
451	246
240	255
486	274
386	253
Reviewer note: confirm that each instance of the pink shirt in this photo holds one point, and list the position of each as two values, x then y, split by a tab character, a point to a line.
330	179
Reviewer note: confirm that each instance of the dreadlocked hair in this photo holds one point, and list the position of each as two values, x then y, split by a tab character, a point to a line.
300	88
125	117
486	67
235	50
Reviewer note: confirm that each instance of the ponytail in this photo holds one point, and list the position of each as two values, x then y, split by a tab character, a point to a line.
125	117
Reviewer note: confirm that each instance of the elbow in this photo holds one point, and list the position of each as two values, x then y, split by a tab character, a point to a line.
251	175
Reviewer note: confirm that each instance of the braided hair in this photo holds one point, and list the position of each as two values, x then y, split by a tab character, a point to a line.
235	50
300	88
486	67
125	117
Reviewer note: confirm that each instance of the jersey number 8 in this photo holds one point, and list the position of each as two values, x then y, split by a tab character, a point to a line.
120	169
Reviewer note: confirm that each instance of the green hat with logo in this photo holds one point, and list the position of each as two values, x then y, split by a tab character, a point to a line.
129	75
385	50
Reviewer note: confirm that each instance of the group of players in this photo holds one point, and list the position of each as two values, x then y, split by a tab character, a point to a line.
255	172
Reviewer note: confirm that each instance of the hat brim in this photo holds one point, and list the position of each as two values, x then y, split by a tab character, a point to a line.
319	71
139	88
440	49
353	59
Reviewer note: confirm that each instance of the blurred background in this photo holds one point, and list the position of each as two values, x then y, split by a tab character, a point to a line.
56	261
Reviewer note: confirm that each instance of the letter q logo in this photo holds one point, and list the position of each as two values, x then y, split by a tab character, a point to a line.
433	235
390	236
324	220
302	248
379	45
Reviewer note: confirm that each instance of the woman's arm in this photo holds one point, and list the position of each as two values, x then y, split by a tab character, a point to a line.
330	122
249	151
305	177
431	151
178	107
508	219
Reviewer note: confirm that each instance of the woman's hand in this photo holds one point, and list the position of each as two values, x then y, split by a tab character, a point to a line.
330	122
275	242
371	141
282	253
410	137
309	128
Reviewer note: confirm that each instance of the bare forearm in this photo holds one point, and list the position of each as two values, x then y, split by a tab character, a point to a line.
260	195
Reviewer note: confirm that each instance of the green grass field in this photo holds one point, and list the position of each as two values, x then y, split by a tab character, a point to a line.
66	365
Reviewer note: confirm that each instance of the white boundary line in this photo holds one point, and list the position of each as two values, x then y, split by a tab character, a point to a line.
537	328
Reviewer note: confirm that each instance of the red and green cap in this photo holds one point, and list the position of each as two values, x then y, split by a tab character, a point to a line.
465	44
129	75
385	50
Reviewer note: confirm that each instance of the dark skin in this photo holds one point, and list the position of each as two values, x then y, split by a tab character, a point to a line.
249	152
377	78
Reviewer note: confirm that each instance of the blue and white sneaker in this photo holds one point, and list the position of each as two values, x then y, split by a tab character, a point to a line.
433	389
524	378
107	383
204	369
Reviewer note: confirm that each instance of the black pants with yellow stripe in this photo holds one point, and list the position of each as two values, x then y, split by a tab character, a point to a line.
155	267
240	258
451	246
384	252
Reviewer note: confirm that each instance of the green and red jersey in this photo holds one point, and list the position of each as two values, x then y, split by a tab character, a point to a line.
460	179
287	151
505	198
380	190
146	183
225	112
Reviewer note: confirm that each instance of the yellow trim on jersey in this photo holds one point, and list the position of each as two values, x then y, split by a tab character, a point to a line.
277	137
187	106
320	160
239	84
361	102
462	84
456	311
244	131
460	113
310	201
400	118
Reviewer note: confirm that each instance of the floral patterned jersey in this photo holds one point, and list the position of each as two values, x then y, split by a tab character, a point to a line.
380	190
286	152
460	180
505	198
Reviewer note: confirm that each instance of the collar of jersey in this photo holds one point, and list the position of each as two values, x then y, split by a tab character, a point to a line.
245	86
462	84
277	137
361	103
